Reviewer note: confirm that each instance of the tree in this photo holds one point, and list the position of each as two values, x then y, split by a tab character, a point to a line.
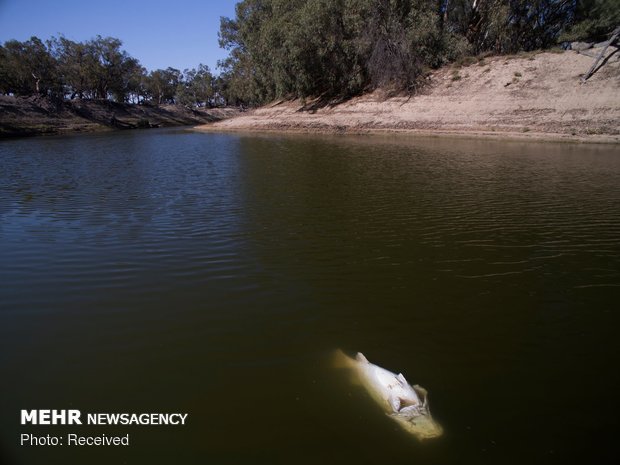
405	36
593	20
28	68
197	87
536	24
4	72
112	65
161	84
483	23
98	68
330	48
76	65
136	83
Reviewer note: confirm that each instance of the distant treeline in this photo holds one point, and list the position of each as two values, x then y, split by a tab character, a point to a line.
338	48
307	48
60	68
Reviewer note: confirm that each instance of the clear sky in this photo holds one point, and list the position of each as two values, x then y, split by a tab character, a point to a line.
159	33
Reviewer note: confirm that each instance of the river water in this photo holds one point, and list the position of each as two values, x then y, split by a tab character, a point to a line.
214	274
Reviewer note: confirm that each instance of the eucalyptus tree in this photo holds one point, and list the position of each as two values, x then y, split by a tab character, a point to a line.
507	26
27	68
77	65
301	48
111	67
161	85
97	68
197	87
593	19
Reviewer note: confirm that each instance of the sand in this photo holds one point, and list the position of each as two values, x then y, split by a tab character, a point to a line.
529	96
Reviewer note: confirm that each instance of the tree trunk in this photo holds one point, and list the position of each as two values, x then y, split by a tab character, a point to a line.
36	83
614	37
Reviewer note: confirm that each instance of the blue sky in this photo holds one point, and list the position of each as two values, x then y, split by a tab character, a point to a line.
159	33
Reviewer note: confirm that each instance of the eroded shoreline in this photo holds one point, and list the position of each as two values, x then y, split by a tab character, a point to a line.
531	97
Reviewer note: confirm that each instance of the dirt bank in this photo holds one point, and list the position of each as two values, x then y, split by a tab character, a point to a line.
23	116
533	96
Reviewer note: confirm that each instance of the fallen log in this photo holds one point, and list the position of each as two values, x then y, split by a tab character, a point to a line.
593	68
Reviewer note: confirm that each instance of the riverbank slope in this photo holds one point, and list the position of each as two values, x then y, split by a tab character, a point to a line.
26	116
534	96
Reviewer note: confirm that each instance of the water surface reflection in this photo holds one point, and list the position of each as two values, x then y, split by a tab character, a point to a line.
172	271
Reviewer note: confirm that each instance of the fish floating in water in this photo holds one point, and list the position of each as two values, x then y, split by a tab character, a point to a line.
405	404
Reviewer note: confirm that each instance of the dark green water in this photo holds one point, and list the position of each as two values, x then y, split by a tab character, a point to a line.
170	271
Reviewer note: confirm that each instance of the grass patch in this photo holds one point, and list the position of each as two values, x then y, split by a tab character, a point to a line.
466	61
482	58
455	75
528	55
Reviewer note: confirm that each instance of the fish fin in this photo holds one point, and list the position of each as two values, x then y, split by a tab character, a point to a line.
360	358
402	379
420	390
410	411
423	393
394	403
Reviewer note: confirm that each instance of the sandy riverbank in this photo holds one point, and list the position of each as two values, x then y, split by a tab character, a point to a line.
531	96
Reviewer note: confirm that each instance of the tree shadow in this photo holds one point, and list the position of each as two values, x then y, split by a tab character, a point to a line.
325	101
25	116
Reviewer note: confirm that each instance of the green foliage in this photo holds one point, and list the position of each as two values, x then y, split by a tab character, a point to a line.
197	88
98	69
161	85
330	49
536	24
337	48
402	36
508	26
27	68
594	20
77	64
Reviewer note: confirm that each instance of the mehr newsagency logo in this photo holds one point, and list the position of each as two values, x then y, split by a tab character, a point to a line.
50	417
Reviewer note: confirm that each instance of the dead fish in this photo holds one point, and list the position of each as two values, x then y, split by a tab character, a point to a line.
405	404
